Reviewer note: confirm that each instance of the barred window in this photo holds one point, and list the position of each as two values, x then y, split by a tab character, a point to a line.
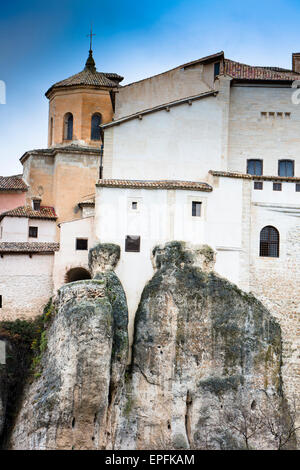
269	242
277	186
258	185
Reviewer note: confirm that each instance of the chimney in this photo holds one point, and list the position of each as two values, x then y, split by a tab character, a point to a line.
296	62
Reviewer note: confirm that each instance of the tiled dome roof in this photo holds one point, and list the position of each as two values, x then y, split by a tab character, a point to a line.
88	77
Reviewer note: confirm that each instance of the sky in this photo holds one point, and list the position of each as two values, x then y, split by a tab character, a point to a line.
44	42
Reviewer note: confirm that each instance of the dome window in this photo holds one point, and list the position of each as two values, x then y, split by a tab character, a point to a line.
95	127
68	126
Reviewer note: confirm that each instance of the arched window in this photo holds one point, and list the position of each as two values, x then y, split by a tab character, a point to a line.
95	127
269	242
68	126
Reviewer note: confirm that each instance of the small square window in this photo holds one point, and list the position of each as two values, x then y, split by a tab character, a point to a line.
81	244
33	232
134	205
132	243
277	186
196	209
258	185
297	187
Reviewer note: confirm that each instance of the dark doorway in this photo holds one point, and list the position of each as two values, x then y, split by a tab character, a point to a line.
77	274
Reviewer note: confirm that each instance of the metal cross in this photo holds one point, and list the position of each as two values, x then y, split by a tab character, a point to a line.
91	37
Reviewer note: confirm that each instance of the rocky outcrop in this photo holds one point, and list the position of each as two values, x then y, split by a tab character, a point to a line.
206	359
73	404
202	350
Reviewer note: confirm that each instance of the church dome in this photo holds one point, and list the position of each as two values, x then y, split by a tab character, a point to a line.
88	77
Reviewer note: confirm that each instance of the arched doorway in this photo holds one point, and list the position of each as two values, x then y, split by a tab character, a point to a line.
77	274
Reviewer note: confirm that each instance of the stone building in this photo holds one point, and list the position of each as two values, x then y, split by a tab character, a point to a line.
207	153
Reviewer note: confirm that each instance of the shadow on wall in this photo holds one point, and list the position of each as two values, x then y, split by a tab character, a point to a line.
77	274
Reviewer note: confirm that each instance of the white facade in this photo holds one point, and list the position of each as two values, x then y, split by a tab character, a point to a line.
69	257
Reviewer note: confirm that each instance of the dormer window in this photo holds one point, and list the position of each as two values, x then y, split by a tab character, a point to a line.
68	126
95	127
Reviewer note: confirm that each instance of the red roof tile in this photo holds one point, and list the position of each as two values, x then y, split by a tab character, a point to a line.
155	184
27	247
250	72
27	211
11	183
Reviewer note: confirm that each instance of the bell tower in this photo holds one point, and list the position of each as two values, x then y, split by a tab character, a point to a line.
79	104
65	173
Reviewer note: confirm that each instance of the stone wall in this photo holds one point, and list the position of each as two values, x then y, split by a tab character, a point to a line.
25	285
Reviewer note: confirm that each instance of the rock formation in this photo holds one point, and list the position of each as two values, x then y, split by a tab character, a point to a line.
204	353
73	404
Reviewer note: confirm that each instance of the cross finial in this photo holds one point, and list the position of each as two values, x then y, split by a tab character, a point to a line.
91	37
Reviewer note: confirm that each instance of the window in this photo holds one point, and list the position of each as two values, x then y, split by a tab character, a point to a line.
258	185
255	167
81	244
68	126
132	243
277	186
297	187
51	131
196	209
36	204
0	301
269	242
33	232
286	168
216	69
95	127
134	205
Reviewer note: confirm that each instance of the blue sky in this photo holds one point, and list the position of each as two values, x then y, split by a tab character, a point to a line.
43	42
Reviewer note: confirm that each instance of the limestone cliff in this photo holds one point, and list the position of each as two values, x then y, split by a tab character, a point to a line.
204	354
201	346
73	404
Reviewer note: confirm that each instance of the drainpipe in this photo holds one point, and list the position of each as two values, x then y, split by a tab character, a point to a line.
101	155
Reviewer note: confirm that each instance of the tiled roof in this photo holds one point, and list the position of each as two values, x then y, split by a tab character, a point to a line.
89	77
10	183
249	72
231	174
27	247
28	211
155	184
88	202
